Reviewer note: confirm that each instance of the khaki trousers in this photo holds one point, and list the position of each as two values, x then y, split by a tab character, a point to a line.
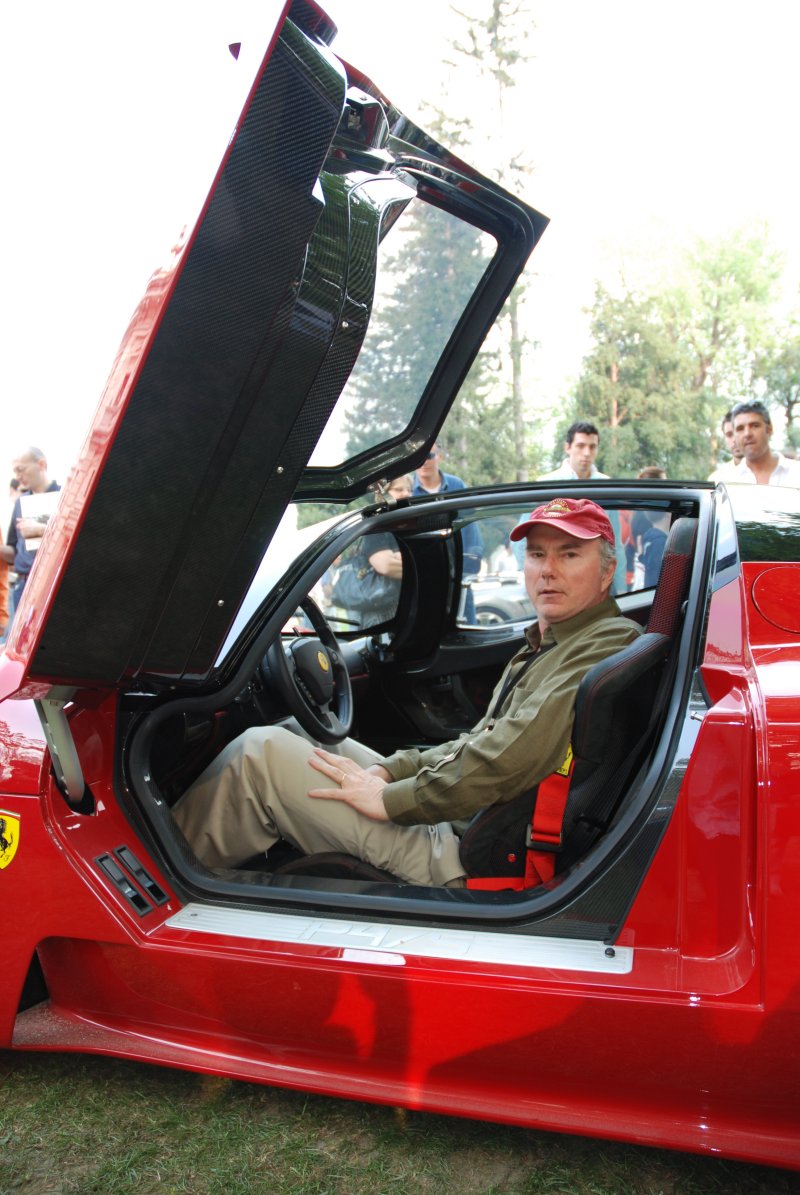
256	792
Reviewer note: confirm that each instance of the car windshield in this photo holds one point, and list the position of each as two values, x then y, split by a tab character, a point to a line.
767	521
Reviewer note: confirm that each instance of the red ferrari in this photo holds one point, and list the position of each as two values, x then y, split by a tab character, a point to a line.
303	347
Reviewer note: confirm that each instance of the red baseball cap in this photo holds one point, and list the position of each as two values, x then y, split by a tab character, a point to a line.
577	516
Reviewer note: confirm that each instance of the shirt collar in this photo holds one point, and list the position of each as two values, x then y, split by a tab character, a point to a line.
744	470
561	632
568	471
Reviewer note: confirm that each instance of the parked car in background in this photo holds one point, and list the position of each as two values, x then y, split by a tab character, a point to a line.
501	598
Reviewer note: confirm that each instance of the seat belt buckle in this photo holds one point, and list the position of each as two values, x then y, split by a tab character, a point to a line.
549	845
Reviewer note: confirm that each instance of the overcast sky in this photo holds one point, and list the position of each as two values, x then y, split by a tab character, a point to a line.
647	124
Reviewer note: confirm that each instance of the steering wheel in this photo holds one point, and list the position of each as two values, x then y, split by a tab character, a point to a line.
312	677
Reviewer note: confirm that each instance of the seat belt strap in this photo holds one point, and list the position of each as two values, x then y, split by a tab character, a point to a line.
496	883
544	836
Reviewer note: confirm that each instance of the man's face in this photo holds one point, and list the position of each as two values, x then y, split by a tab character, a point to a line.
30	472
563	575
581	453
752	433
428	472
730	440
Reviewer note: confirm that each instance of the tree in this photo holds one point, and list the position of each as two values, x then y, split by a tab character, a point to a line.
724	309
497	46
487	435
636	386
779	369
424	284
667	363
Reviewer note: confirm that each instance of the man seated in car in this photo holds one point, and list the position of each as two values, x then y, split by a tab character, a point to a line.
401	813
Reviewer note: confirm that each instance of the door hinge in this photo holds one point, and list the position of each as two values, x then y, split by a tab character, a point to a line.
64	756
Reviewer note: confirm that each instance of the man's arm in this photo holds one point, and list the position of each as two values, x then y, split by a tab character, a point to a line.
387	562
31	528
497	762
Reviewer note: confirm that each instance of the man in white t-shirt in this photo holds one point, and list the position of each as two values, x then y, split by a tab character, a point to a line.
760	465
580	449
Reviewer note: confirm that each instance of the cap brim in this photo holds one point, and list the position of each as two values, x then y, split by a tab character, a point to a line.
522	529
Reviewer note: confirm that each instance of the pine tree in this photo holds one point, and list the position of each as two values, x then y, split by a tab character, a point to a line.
488	433
496	47
425	282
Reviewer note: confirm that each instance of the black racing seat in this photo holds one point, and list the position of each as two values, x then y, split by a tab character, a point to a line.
618	707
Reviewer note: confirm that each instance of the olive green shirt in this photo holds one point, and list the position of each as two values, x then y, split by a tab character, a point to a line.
524	741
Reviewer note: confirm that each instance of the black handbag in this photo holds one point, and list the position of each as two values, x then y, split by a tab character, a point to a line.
359	588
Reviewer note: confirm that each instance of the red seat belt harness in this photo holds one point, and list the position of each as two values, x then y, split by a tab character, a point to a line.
543	837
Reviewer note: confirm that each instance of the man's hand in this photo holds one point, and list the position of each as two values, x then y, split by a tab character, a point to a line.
357	787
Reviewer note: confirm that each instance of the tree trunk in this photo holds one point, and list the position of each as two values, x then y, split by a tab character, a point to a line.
517	396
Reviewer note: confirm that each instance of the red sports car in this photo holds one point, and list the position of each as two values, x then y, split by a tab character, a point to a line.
648	988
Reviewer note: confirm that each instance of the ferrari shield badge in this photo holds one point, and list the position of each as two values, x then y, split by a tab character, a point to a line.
9	837
322	660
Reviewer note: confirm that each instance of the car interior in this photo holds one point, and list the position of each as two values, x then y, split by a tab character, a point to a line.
421	676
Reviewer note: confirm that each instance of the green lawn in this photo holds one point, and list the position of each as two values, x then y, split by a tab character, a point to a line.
77	1124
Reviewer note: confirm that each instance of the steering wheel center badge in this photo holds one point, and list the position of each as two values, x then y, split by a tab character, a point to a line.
9	837
323	661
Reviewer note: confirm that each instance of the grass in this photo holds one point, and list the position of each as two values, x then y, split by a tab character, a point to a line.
73	1125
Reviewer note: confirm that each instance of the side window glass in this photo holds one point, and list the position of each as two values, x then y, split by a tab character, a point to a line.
493	580
767	523
492	583
429	265
362	587
643	535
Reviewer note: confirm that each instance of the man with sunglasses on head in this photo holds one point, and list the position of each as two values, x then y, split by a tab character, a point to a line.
760	465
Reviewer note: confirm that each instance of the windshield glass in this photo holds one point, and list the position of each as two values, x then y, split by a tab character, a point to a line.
767	522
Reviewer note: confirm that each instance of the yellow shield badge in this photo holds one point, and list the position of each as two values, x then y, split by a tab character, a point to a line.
9	837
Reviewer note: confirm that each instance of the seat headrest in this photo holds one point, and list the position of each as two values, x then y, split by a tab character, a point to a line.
673	579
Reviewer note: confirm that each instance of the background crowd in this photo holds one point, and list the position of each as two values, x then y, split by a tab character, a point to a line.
750	459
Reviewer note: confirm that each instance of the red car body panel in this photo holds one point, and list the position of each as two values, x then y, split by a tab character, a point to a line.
710	1004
